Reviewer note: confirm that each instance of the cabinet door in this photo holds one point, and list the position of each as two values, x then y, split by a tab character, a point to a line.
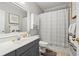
36	49
23	49
29	49
10	54
33	50
27	53
30	52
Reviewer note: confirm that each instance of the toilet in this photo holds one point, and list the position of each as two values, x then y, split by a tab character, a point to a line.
43	46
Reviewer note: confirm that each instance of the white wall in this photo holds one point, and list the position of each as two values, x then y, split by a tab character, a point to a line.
77	21
10	8
33	8
73	12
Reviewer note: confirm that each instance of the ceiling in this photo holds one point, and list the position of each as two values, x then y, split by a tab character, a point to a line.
48	5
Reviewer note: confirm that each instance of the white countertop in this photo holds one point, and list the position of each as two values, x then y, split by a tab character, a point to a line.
10	46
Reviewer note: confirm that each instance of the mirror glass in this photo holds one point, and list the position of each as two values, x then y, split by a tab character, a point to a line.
11	18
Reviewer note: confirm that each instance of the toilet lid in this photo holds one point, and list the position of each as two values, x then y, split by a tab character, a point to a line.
43	42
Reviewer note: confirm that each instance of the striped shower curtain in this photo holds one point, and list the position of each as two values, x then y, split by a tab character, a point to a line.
54	27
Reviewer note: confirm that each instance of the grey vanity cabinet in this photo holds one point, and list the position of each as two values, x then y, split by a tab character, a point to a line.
31	49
